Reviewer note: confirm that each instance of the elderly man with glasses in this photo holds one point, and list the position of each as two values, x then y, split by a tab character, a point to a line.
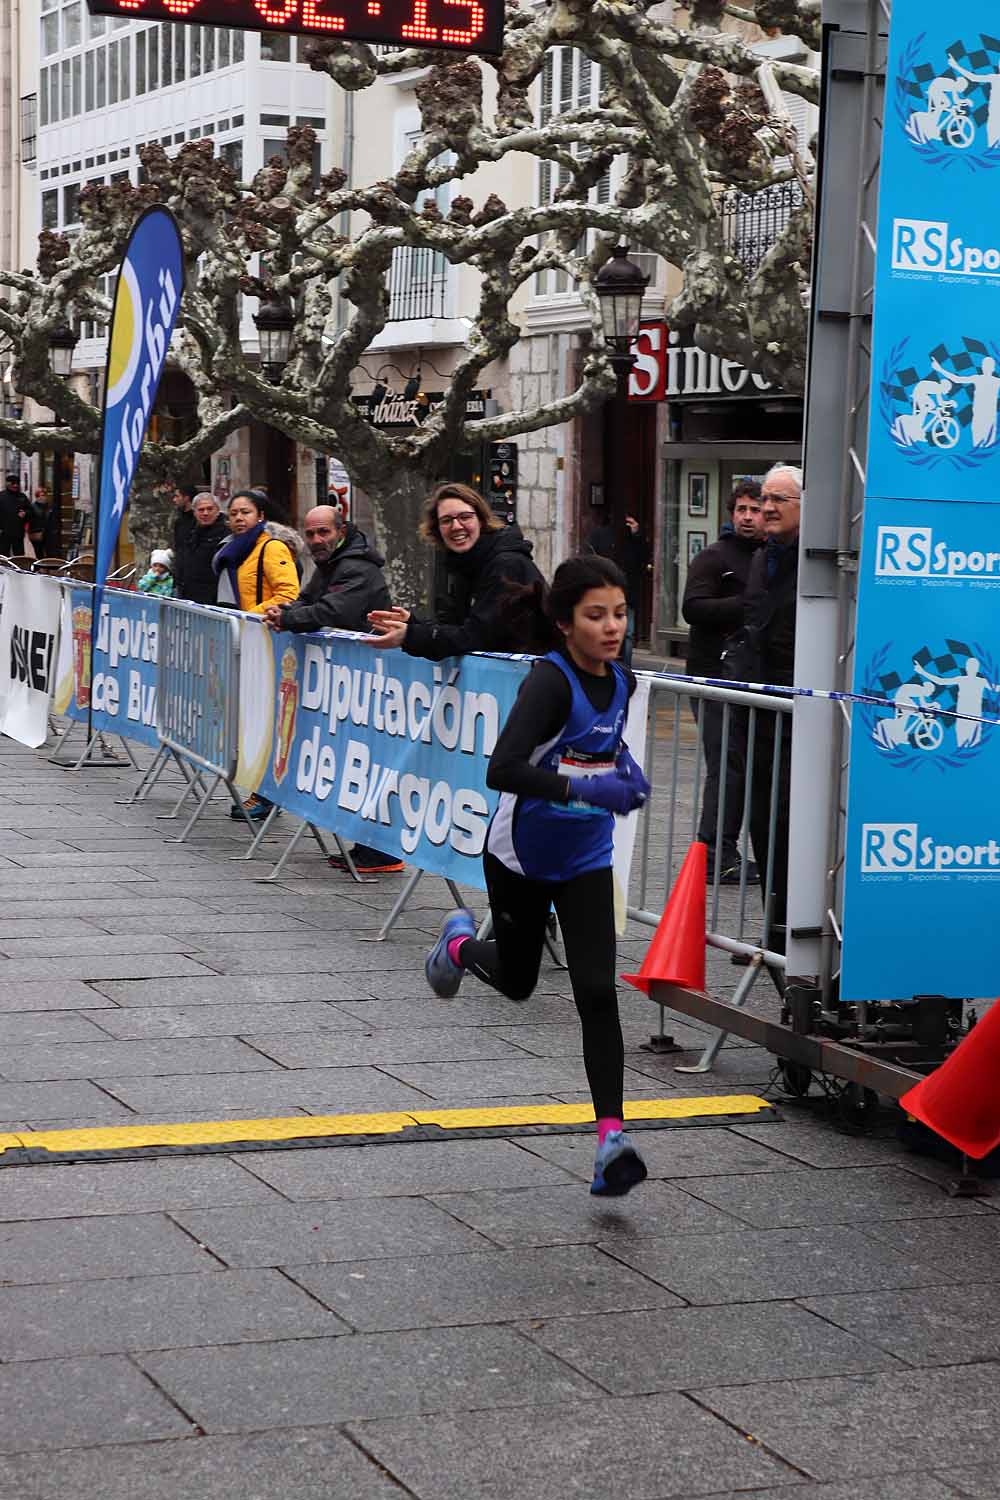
769	618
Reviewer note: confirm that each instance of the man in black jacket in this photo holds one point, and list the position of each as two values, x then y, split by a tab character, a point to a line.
347	583
182	499
769	607
14	511
713	607
194	577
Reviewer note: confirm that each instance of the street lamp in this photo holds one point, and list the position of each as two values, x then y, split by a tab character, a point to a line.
275	322
62	342
619	285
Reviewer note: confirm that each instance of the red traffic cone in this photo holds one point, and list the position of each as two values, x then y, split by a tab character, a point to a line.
677	953
960	1100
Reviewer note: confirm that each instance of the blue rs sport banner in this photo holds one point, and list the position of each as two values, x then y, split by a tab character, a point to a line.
383	748
922	869
147	300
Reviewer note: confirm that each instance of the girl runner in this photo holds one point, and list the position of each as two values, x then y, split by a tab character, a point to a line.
563	771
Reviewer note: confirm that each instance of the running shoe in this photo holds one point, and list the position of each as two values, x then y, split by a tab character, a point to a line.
444	976
618	1166
367	861
256	809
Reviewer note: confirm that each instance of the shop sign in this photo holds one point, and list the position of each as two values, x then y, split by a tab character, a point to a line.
670	366
394	411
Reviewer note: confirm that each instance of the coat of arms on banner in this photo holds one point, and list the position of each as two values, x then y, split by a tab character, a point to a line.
948	101
964	679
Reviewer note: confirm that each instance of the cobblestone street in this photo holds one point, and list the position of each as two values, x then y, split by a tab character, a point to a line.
783	1309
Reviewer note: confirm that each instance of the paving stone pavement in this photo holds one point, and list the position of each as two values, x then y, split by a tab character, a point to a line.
783	1310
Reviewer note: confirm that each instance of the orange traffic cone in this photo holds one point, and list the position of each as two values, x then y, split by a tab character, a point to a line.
677	953
960	1100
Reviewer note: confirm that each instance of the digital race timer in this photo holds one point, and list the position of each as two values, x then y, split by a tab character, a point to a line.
457	25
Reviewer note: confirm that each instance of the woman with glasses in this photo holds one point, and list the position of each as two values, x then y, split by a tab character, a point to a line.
486	565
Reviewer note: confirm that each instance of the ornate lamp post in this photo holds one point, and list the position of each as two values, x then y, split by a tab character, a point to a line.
620	286
275	322
62	342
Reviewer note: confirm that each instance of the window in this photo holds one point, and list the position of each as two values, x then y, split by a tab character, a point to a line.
50	34
140	63
77	73
274	119
50	209
418	277
124	82
29	129
207	47
96	25
66	90
238	46
71	24
232	154
278	146
194	57
153	58
275	46
223	47
71	203
120	177
570	80
101	65
113	72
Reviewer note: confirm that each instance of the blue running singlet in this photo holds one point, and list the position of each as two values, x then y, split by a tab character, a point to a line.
556	841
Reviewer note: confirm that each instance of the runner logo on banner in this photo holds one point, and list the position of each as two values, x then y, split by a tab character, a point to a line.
923	846
147	300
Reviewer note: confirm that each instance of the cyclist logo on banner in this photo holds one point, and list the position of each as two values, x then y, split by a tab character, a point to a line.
949	107
944	406
961	680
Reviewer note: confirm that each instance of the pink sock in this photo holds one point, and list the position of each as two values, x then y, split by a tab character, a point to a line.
605	1125
455	950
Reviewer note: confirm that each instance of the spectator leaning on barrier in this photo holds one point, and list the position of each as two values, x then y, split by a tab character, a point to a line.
713	607
159	579
14	509
769	607
346	585
485	562
194	576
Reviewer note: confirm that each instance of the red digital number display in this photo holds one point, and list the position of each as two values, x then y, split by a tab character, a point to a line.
455	25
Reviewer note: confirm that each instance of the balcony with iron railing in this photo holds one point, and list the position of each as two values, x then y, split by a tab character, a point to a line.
752	222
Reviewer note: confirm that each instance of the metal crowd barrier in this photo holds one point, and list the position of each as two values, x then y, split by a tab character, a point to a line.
706	748
97	751
197	698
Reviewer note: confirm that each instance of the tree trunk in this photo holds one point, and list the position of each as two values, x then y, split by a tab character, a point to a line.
409	561
150	522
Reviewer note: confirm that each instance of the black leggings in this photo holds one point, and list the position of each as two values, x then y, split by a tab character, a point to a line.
585	908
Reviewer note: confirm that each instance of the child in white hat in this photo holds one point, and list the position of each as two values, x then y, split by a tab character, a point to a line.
160	578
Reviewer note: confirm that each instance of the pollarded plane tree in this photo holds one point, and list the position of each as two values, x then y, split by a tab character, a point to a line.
683	114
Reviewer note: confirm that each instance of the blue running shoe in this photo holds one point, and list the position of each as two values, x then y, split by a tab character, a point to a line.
618	1166
443	976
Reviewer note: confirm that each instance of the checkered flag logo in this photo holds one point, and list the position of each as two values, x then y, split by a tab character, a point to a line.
965	360
950	663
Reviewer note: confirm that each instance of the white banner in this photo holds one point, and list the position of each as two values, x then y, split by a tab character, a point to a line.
29	631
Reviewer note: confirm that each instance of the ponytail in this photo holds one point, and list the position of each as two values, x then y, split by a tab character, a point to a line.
533	612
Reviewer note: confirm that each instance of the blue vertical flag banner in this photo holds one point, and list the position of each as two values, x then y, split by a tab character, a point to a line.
923	838
147	301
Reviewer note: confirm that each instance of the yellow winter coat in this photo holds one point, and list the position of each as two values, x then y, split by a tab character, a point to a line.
278	580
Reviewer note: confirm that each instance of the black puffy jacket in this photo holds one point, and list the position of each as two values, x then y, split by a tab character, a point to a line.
713	600
342	590
769	610
194	578
470	615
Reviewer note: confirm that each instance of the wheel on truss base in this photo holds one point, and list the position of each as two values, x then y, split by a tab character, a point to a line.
796	1077
857	1106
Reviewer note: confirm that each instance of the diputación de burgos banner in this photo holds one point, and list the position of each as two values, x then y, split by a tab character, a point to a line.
922	865
380	747
109	671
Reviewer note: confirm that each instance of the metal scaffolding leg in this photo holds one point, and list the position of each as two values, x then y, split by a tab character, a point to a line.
706	1061
292	845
